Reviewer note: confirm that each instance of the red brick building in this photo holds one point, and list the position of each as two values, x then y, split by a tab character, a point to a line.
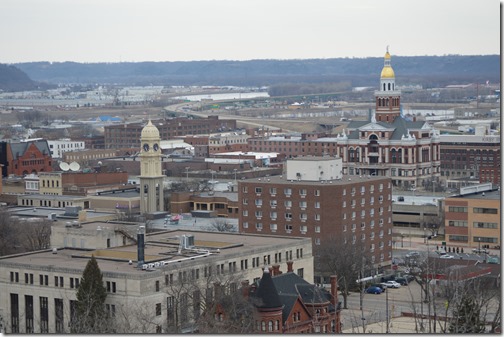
25	157
357	208
466	156
128	135
289	304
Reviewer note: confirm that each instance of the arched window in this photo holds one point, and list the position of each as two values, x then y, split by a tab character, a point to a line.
393	156
270	326
263	325
389	86
384	86
277	325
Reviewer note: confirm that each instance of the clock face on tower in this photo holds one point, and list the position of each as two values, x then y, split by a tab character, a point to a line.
146	147
155	147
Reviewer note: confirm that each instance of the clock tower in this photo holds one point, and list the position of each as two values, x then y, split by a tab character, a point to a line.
151	179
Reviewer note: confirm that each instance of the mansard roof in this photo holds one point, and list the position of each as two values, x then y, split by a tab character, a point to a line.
19	149
267	293
400	127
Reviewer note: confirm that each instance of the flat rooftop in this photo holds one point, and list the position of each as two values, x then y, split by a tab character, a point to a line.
160	247
346	180
492	195
43	212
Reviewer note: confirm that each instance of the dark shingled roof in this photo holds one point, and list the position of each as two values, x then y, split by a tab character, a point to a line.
267	293
18	149
290	286
400	126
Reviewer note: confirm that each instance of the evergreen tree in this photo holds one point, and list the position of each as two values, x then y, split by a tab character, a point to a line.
90	306
466	317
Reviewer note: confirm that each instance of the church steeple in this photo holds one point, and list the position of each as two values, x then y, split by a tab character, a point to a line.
388	98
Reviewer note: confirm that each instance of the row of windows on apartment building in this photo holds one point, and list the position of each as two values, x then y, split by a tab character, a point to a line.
304	204
465	238
44	314
476	224
59	281
303	191
303	229
480	210
273	215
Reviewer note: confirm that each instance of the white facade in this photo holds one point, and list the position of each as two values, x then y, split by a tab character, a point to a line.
140	299
57	147
314	169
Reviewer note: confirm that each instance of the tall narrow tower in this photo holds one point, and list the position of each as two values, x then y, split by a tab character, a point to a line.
388	99
151	179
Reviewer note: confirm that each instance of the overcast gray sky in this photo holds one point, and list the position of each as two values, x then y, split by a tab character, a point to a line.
183	30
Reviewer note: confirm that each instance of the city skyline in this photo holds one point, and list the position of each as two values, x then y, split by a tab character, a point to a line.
154	30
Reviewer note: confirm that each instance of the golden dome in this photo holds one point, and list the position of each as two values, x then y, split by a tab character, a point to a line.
387	72
150	131
387	55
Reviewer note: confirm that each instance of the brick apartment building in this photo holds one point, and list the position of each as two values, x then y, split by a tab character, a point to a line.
128	135
316	201
23	158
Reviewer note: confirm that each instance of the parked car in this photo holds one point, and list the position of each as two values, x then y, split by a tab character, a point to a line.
374	290
409	277
387	278
447	256
412	254
402	281
380	285
480	251
392	284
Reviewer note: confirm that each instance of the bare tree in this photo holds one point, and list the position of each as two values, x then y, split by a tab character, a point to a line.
350	261
221	225
35	235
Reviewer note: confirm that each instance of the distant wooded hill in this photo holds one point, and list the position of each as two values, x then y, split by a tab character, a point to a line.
430	71
14	79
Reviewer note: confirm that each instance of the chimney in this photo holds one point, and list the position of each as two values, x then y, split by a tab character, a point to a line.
245	289
334	290
289	266
140	245
217	291
276	270
270	271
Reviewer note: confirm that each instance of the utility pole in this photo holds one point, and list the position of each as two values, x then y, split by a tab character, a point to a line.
387	312
363	319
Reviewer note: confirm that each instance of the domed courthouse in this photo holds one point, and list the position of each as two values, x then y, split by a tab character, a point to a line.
389	144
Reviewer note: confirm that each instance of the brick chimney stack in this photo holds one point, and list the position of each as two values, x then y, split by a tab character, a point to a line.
334	290
245	289
289	266
276	270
